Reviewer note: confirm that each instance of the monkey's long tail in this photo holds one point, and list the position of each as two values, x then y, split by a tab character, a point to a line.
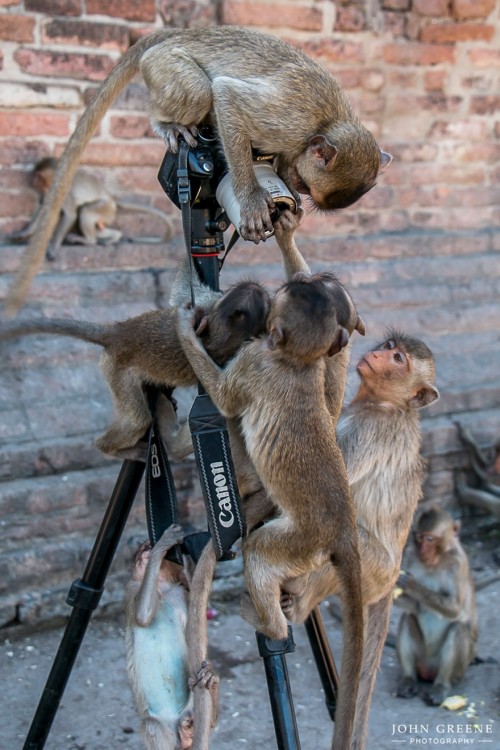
197	643
34	254
352	653
94	333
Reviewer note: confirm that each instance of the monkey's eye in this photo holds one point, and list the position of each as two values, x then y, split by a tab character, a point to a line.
399	357
419	538
389	344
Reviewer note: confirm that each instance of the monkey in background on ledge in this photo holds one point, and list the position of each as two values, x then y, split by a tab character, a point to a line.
258	92
438	629
88	207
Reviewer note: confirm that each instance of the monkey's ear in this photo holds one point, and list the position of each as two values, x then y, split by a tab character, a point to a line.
276	336
323	152
340	341
385	160
360	326
424	396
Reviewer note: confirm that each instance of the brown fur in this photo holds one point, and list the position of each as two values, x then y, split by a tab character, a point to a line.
146	350
158	659
88	207
276	387
385	485
242	82
437	632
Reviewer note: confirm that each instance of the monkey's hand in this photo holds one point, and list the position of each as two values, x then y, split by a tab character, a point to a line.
170	537
287	223
170	132
204	678
405	581
256	208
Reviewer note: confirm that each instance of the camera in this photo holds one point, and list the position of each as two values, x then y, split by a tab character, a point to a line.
210	180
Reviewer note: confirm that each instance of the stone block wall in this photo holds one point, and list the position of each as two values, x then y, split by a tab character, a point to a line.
421	251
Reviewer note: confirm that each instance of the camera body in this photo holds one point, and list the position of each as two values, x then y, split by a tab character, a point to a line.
210	181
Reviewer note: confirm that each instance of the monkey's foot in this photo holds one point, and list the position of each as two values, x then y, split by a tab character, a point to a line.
407	688
286	603
205	678
435	695
276	629
170	132
120	437
170	537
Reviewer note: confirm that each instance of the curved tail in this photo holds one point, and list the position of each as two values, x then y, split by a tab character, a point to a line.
34	254
197	643
94	333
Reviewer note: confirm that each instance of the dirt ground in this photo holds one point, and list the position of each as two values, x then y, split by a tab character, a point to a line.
97	712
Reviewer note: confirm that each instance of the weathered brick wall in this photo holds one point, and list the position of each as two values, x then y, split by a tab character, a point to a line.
420	251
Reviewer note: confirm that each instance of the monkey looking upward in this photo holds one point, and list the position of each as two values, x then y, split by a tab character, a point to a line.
397	379
242	82
438	630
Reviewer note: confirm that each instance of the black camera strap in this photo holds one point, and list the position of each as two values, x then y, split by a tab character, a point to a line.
161	498
184	195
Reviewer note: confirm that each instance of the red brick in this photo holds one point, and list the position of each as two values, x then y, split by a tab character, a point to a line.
6	3
418	54
472	8
131	10
435	8
86	33
349	78
12	204
402	79
332	50
475	130
435	80
14	151
110	154
131	127
64	64
497	130
485	105
396	4
136	178
185	14
448	33
55	7
414	152
485	58
349	19
27	124
394	23
16	28
373	80
294	16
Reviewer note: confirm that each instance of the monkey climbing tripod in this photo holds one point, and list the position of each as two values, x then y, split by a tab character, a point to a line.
204	223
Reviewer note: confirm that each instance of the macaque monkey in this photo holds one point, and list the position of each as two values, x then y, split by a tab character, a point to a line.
486	476
241	82
159	650
275	385
397	379
438	631
88	206
146	350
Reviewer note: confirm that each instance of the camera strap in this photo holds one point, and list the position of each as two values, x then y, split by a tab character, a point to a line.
161	498
216	471
184	195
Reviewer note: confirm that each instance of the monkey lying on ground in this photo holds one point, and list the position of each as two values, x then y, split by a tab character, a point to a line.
438	630
276	386
486	476
242	82
88	207
146	350
159	654
397	379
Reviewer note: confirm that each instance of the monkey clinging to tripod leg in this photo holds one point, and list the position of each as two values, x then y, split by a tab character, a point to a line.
241	82
157	652
276	386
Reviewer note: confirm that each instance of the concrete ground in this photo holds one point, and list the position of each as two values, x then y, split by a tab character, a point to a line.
97	712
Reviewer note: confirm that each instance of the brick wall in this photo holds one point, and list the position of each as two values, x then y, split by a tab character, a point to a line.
421	251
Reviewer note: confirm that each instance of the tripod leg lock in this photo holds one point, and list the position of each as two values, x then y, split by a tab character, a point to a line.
83	596
269	647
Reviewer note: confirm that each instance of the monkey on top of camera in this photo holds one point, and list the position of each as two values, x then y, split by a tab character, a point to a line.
438	630
246	85
276	386
88	208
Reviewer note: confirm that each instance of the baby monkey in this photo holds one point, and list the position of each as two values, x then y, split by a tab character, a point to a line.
158	655
146	350
276	385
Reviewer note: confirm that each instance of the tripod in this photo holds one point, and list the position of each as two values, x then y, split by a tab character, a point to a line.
204	222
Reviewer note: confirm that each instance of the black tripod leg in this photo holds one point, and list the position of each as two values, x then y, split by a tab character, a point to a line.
323	657
84	595
280	695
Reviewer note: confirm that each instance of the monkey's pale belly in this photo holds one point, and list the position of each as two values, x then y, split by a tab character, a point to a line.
160	655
